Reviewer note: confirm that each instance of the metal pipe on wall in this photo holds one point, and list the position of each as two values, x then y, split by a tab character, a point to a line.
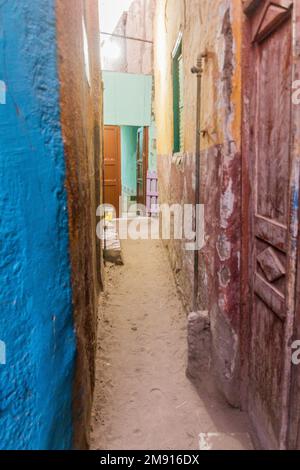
198	69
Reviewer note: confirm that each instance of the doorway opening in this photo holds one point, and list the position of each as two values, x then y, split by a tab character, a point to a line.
126	163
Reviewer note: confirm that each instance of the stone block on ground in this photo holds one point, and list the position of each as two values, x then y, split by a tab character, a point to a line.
199	345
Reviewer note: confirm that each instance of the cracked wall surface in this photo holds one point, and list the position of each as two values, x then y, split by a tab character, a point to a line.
214	28
50	261
81	119
36	321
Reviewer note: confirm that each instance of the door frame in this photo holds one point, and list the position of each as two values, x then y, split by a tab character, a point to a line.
294	402
288	399
145	161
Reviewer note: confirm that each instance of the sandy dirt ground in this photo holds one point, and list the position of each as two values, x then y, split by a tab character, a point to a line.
143	399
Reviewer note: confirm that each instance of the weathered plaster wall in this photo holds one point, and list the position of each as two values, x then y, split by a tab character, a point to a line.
81	117
135	56
36	321
50	264
152	147
214	27
139	24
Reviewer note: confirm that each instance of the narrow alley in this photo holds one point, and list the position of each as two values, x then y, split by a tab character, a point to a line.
143	399
149	227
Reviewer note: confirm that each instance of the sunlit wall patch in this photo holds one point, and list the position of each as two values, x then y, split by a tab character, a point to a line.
296	93
2	353
2	92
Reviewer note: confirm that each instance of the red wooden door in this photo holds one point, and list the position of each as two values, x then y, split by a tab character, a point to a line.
270	231
112	167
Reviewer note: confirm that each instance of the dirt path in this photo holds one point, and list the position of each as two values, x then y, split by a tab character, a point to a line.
143	399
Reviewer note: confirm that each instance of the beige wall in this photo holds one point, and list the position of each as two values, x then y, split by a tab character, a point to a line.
201	24
136	56
140	25
214	27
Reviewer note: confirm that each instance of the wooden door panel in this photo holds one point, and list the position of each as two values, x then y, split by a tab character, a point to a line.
272	162
272	297
272	16
269	160
142	165
271	232
294	404
112	167
266	374
274	118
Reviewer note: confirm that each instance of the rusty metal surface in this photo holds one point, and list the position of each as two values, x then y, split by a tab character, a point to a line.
81	120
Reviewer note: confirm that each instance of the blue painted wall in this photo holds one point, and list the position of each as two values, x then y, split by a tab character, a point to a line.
36	322
128	159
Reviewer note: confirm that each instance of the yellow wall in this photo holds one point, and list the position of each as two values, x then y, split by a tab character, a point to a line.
202	24
215	27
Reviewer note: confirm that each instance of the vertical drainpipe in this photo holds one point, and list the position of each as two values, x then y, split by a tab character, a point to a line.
198	69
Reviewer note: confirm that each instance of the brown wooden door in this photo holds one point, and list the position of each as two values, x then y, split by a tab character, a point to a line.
112	167
294	406
271	195
142	164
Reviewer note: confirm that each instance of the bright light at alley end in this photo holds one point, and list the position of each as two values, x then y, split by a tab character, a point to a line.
111	50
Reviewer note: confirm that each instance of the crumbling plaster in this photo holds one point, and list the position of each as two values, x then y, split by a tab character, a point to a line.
214	28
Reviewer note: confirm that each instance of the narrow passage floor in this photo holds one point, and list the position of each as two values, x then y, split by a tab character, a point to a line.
143	399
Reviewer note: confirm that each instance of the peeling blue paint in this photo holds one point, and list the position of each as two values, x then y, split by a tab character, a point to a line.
36	322
295	199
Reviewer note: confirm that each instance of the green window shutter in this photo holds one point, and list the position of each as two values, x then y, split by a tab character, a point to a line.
178	99
181	103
